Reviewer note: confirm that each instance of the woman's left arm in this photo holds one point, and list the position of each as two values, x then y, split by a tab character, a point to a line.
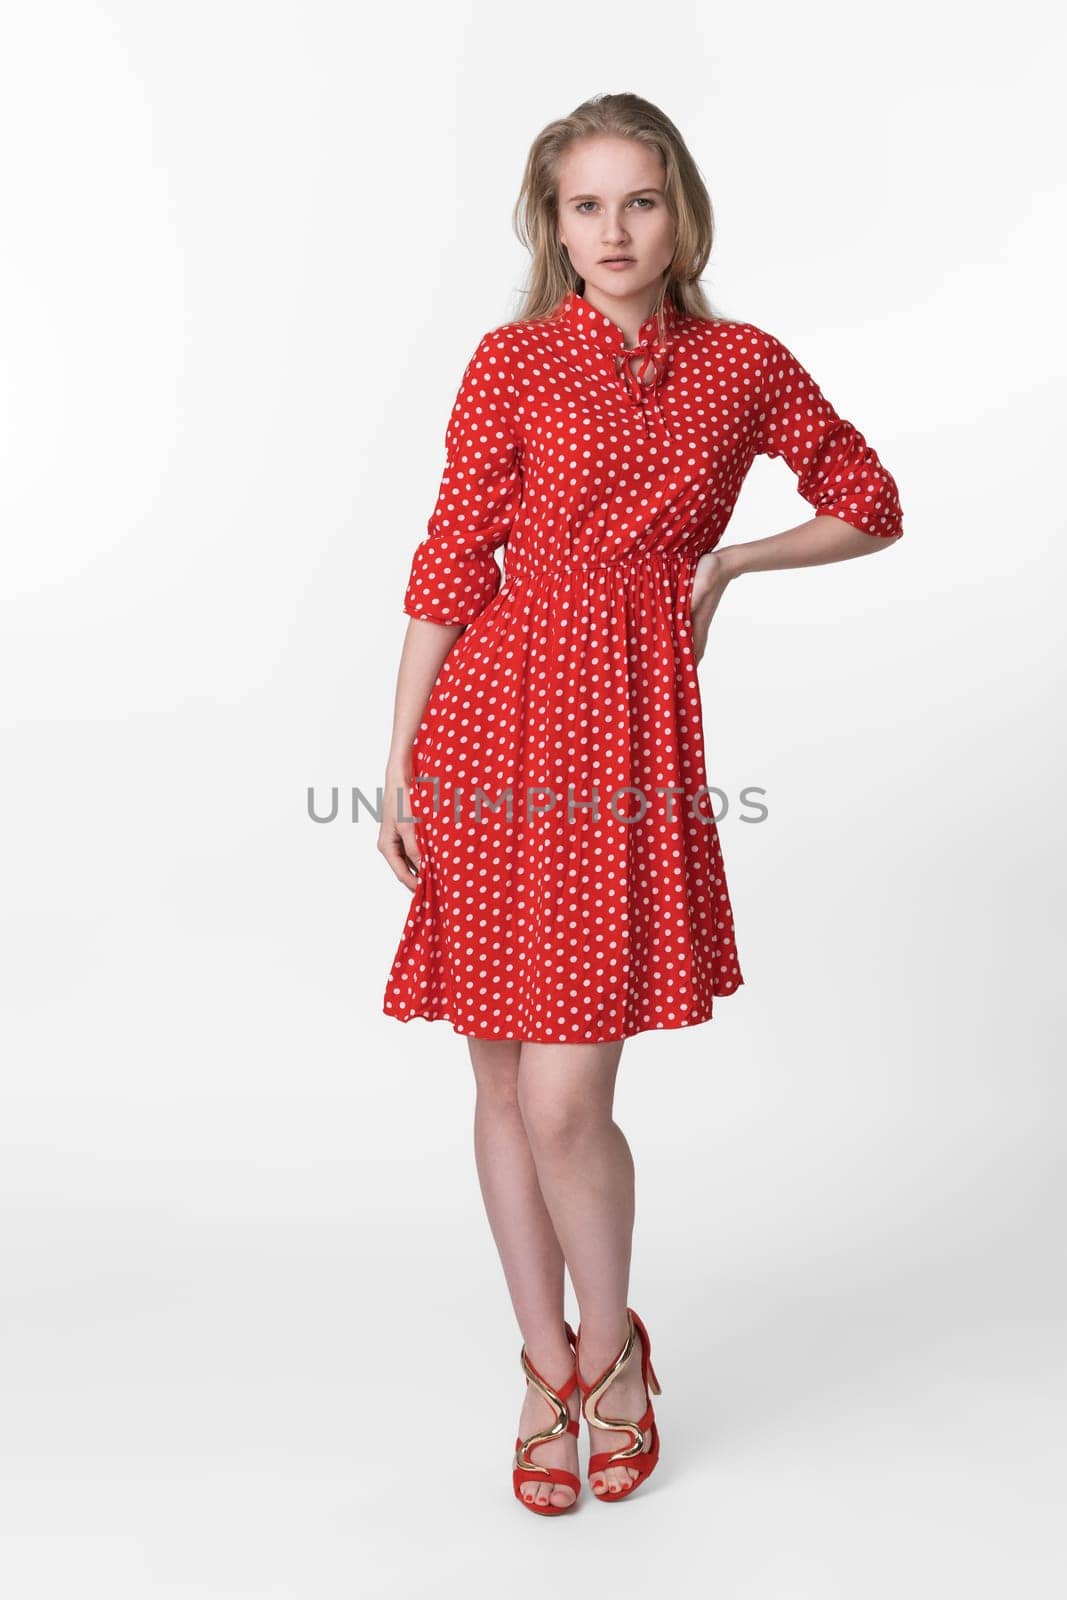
854	495
812	544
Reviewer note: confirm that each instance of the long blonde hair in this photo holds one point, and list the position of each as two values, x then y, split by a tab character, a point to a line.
536	214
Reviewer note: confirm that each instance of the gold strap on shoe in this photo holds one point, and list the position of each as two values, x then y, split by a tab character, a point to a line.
620	1423
563	1417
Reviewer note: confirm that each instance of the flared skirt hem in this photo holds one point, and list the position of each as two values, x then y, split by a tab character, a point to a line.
443	1014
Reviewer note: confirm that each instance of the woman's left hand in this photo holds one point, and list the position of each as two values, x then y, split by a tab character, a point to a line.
709	585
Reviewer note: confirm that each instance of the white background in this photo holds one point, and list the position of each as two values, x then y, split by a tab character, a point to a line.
255	1338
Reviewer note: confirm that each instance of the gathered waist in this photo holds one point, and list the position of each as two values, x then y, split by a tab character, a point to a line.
626	564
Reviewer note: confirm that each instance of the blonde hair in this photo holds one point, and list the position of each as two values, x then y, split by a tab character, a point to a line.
536	214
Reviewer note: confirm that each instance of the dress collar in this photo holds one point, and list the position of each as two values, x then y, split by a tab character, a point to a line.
582	318
588	325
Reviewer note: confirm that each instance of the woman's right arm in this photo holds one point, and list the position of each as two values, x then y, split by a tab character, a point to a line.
453	575
426	644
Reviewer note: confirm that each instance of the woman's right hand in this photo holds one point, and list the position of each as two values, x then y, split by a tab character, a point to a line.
396	837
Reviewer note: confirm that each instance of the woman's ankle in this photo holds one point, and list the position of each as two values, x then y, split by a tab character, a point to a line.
602	1341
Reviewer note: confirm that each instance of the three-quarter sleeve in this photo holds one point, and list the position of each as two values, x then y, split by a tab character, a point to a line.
837	471
454	574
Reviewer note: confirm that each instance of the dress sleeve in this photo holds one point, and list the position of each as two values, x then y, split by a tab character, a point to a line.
837	471
453	573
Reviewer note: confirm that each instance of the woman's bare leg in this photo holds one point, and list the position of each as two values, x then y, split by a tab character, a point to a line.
529	1250
585	1172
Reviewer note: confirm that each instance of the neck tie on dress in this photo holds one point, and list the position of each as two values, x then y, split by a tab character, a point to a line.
644	393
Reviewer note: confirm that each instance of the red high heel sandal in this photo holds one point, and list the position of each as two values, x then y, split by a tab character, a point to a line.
524	1469
635	1455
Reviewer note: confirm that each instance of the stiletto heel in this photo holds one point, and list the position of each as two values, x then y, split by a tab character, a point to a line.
524	1470
634	1456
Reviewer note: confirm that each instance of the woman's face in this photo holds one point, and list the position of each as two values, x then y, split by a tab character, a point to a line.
611	204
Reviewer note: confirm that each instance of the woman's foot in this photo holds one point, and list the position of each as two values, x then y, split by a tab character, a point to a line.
536	1415
625	1396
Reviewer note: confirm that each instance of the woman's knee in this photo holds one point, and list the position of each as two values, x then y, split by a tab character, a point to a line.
561	1113
566	1091
557	1129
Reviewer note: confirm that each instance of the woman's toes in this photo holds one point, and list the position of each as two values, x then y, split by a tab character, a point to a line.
615	1480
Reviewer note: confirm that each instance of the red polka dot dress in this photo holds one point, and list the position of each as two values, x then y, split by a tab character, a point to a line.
572	886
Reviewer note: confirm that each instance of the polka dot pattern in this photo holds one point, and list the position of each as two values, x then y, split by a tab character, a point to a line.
572	887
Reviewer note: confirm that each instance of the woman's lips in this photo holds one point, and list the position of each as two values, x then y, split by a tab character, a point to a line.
617	264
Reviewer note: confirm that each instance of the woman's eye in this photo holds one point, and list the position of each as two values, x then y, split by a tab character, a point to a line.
641	200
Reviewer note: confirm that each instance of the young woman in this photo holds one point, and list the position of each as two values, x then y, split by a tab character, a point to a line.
567	879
